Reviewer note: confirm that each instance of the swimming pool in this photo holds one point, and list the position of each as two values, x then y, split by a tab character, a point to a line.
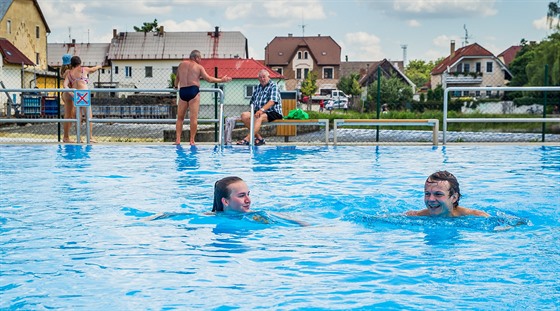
73	234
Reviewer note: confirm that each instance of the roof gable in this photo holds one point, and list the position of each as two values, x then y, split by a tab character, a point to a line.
12	55
472	50
5	5
237	68
509	54
323	49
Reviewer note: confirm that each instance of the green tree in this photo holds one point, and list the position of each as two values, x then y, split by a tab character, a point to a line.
148	27
309	87
394	92
418	71
547	52
350	85
553	15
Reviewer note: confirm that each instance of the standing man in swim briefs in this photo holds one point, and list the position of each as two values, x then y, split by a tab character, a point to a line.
187	82
267	104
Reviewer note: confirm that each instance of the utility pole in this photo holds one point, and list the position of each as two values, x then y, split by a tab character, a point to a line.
403	47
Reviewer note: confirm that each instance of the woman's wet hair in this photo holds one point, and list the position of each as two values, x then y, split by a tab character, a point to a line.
221	190
453	183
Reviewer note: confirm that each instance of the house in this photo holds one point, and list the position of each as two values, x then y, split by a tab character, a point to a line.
388	69
471	65
508	55
294	57
23	48
147	60
244	73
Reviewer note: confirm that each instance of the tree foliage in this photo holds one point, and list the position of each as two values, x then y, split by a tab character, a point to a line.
547	52
309	87
148	27
553	15
394	92
418	71
350	85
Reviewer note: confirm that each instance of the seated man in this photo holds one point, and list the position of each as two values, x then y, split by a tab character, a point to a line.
267	104
441	197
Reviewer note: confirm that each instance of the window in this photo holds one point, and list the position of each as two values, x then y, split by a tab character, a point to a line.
306	55
328	73
489	66
466	93
128	71
279	70
37	32
249	90
466	67
305	72
298	73
299	55
116	70
148	70
37	59
9	26
477	93
488	93
478	67
460	68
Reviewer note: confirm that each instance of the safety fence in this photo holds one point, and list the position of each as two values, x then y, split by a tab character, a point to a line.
149	116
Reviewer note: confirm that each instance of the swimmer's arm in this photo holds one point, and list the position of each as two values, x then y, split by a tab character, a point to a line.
162	215
296	221
423	212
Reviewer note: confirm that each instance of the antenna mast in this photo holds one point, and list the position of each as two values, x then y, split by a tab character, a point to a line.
302	26
466	42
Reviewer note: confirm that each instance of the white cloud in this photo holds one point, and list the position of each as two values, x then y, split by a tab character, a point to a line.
413	23
444	8
238	11
198	24
542	23
364	46
307	10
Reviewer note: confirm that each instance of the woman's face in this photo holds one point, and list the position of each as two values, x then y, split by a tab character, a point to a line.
239	200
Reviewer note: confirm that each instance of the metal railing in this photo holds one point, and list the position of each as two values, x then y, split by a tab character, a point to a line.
218	121
447	120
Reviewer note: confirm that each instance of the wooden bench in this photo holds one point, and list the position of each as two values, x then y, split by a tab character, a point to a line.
434	123
287	127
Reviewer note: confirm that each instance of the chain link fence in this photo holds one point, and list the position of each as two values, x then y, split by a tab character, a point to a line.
144	98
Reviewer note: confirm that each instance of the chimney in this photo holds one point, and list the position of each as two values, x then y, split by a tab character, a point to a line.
289	35
160	30
216	31
452	48
114	33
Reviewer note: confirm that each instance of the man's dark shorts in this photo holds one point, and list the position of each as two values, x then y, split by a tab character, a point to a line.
273	115
188	92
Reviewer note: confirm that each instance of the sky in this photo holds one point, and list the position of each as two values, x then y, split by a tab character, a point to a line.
366	30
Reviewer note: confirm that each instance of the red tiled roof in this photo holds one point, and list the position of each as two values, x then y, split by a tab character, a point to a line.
470	50
12	55
237	68
509	54
323	49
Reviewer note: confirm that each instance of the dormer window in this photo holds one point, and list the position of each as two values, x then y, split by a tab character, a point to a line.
306	55
299	55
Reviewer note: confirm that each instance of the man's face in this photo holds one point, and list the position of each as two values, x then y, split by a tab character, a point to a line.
437	198
263	79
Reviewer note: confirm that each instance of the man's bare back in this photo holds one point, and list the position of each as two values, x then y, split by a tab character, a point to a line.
189	73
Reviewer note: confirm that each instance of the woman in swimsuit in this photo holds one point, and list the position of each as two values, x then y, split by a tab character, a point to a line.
77	77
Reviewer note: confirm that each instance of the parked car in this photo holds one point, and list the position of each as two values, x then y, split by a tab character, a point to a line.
336	104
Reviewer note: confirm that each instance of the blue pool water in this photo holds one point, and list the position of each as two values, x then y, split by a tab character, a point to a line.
74	234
